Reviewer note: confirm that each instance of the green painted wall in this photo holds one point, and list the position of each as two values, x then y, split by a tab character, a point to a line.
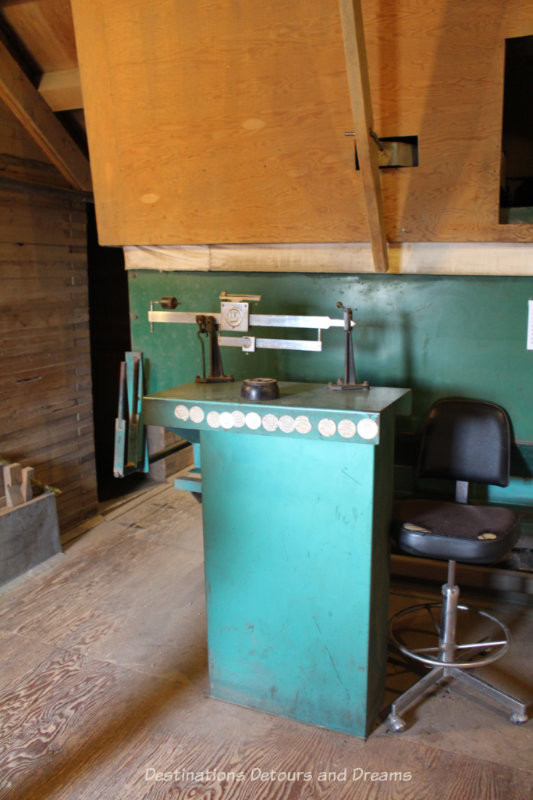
439	335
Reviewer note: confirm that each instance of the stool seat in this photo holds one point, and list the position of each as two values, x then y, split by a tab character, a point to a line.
444	530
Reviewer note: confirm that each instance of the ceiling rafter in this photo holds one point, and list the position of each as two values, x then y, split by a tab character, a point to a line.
361	106
32	111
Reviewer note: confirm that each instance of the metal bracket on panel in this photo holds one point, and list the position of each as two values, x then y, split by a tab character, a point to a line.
392	151
165	302
398	153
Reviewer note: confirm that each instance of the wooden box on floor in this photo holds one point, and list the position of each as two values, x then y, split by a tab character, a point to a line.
29	534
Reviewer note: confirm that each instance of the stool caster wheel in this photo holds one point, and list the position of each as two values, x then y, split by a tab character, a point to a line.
395	723
518	719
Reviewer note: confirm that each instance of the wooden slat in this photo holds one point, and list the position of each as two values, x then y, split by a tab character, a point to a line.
41	288
22	319
363	125
41	252
70	454
41	215
72	474
38	397
78	504
67	431
31	110
46	189
75	205
33	171
75	477
27	489
25	344
13	485
67	425
24	424
33	233
43	362
44	388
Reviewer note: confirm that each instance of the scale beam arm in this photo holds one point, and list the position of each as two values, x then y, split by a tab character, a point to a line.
260	320
235	317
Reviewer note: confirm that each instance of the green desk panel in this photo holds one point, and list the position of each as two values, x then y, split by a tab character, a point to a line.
296	546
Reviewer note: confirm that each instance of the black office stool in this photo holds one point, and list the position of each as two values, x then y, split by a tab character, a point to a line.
463	440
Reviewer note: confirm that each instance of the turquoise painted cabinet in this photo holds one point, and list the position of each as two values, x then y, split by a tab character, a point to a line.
297	498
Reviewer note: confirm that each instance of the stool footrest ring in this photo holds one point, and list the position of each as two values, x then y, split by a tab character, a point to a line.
484	651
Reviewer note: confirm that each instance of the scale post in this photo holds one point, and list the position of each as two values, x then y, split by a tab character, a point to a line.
350	381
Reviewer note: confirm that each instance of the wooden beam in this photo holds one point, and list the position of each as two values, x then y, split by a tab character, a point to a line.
62	89
25	102
407	258
359	88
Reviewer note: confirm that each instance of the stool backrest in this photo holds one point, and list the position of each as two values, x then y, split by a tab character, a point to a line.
466	440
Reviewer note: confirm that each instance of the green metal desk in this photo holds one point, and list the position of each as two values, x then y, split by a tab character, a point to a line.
297	497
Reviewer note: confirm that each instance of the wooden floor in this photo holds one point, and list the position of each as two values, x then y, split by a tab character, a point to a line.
104	691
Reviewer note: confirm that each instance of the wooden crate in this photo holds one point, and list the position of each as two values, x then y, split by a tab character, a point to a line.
29	534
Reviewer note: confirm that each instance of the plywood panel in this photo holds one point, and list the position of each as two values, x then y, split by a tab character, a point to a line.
228	120
222	122
437	72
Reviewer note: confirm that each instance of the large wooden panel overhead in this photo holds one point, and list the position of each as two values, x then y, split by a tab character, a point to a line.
218	121
224	122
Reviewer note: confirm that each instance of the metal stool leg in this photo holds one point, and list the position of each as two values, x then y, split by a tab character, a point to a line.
450	601
394	720
508	701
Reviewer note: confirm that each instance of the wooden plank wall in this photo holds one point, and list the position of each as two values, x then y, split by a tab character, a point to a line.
45	378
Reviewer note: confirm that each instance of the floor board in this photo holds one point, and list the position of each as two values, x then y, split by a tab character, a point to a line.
104	691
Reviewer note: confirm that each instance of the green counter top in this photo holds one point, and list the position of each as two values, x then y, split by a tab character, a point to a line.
309	410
